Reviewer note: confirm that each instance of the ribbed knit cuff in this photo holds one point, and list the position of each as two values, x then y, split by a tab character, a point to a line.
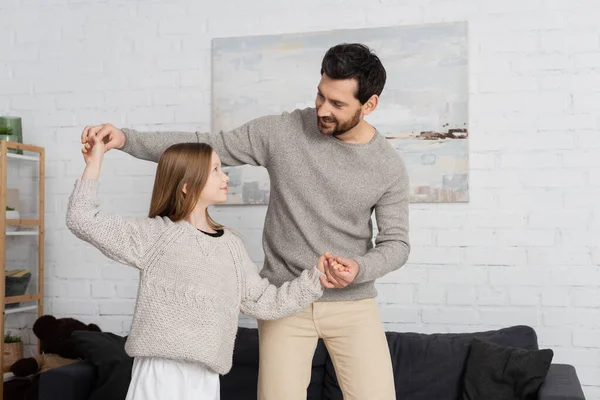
313	276
128	140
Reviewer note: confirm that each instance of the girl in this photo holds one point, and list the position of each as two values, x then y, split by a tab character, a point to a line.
195	276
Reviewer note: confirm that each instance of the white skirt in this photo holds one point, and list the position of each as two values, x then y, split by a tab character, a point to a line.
163	379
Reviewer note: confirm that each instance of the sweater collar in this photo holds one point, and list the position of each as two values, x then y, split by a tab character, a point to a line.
205	242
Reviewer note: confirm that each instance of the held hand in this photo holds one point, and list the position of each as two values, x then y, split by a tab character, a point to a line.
340	271
95	154
321	268
112	137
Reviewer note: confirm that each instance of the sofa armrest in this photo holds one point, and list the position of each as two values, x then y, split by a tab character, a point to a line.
71	382
561	383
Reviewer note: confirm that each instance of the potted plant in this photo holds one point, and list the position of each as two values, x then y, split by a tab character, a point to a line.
11	213
7	135
11	130
13	349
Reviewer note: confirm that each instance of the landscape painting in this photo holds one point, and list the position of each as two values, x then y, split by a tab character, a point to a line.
423	110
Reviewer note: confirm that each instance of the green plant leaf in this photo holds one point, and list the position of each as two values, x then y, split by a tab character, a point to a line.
6	130
8	338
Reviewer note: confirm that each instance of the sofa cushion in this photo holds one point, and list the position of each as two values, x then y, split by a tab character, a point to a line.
432	366
496	372
561	383
71	382
106	352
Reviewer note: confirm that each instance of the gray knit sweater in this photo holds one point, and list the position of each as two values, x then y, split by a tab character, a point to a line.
323	193
192	286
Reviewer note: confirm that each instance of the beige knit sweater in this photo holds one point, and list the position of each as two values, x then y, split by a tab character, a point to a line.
192	286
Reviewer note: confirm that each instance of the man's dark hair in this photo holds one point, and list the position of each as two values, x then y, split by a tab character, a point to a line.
355	61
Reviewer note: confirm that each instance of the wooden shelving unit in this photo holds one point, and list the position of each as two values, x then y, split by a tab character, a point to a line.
32	227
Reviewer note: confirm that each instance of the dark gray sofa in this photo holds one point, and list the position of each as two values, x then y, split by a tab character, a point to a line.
425	367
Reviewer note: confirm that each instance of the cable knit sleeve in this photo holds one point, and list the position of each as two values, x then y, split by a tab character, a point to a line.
262	300
125	240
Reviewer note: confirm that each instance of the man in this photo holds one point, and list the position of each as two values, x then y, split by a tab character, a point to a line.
329	170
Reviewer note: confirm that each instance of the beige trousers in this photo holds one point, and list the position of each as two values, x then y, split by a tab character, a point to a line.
355	340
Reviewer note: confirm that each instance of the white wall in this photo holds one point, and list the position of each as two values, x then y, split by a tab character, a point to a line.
523	251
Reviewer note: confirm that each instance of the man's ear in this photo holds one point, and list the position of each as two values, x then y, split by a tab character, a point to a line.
370	105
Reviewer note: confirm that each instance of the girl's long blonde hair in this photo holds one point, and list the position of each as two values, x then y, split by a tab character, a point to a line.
181	164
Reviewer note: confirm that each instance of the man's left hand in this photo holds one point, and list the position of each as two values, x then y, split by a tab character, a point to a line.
340	271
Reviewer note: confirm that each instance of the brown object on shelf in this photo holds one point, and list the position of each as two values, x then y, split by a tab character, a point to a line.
12	353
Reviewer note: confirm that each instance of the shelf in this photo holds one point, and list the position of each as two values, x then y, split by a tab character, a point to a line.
28	224
22	157
22	299
23	222
20	309
22	233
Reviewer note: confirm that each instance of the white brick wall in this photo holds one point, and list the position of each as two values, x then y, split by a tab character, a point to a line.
523	251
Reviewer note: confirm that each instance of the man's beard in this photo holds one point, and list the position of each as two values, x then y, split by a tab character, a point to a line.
335	128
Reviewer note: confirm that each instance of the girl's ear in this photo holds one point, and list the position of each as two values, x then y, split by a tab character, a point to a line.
184	189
